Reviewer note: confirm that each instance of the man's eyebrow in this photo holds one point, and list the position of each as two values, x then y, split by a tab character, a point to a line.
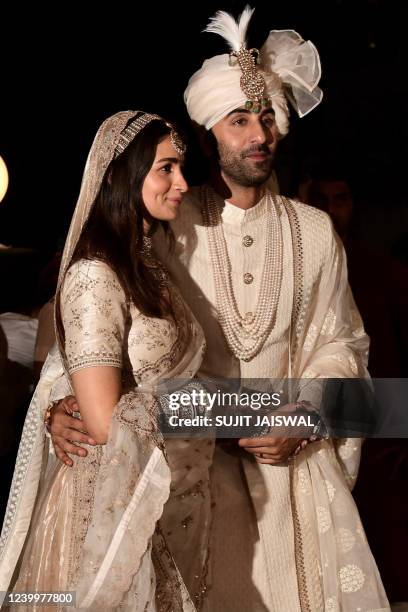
267	111
238	110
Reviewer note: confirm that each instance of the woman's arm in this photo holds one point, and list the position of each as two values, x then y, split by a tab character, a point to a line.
94	313
97	391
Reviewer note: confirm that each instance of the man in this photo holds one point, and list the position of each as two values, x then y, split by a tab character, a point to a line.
265	277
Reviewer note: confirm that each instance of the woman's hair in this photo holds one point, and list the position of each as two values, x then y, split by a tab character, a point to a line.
114	231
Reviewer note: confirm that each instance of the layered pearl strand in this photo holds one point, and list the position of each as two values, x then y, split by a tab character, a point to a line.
245	334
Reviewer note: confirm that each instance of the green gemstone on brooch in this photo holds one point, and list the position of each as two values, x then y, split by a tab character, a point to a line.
256	108
248	104
266	102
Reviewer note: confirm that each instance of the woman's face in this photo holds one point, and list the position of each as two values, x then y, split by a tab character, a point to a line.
164	185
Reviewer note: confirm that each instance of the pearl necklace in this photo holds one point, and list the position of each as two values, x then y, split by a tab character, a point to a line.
245	334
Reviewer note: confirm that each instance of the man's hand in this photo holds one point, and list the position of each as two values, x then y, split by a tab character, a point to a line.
270	450
67	431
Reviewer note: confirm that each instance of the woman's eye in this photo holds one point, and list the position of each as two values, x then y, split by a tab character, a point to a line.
166	169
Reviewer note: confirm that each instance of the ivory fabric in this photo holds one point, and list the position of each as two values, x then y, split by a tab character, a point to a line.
94	528
289	66
244	536
279	520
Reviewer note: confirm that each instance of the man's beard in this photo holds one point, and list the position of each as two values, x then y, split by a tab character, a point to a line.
242	170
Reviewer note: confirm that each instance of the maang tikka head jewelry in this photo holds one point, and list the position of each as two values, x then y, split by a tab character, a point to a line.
177	142
251	82
137	125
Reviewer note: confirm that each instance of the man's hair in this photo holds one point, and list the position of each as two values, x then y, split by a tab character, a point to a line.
114	231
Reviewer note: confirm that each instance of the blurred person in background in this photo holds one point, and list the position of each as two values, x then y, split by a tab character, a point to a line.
377	282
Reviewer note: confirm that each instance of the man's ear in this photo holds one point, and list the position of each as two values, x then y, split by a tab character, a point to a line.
207	141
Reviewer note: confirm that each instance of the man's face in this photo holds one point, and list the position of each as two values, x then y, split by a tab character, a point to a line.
246	145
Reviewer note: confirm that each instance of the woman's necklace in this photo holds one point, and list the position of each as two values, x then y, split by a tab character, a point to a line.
158	271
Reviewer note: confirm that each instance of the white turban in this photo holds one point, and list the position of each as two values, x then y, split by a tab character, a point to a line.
289	65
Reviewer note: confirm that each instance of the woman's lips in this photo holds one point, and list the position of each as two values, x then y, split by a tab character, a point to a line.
175	200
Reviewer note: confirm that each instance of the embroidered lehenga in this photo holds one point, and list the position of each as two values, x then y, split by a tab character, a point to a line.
94	528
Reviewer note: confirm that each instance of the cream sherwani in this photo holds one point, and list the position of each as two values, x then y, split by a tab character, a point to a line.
234	518
254	550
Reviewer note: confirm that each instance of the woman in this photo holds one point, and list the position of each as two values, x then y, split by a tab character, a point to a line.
121	326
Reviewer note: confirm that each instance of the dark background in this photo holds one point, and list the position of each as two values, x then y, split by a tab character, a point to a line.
63	73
